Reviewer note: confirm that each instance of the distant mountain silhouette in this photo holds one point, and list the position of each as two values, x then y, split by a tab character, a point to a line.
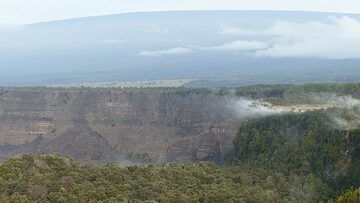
159	45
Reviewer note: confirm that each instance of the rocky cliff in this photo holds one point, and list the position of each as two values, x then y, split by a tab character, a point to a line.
124	125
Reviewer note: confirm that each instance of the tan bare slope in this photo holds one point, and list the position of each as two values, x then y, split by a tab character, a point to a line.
115	124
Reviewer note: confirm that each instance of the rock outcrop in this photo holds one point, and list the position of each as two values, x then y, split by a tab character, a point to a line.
116	124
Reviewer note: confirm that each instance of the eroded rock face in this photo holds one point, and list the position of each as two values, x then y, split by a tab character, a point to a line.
116	124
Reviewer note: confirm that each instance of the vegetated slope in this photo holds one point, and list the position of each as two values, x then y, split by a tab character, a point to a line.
351	196
318	159
291	157
296	94
55	179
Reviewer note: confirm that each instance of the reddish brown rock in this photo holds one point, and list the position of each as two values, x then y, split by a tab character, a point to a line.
110	124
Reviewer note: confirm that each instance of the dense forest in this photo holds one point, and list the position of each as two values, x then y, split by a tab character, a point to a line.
349	197
289	157
296	94
312	154
55	179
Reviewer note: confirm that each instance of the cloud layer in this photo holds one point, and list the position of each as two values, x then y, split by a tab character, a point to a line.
337	39
239	46
340	39
232	30
173	51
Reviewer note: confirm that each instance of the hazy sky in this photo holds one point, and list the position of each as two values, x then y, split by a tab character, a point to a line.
30	11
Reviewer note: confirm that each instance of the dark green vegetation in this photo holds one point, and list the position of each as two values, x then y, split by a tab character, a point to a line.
348	197
55	179
297	94
317	159
284	93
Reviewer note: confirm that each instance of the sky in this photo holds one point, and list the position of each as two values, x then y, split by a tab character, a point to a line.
17	12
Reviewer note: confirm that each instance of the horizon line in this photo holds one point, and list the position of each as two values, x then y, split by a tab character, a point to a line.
174	11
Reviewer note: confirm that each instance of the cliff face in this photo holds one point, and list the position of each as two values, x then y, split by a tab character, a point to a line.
116	124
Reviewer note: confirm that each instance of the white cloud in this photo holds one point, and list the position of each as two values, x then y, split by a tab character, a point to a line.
232	30
239	46
113	41
158	29
230	46
339	39
173	51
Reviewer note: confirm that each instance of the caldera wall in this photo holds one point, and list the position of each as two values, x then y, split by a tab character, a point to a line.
116	124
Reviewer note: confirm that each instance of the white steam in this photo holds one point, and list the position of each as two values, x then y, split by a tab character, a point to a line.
349	117
246	108
336	101
346	114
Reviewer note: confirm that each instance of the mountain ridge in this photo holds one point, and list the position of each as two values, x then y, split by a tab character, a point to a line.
193	11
